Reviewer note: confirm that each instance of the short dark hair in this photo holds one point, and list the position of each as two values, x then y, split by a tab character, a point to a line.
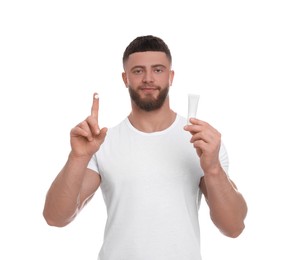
147	43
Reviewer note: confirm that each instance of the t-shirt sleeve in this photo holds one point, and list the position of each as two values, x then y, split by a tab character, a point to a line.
93	165
223	156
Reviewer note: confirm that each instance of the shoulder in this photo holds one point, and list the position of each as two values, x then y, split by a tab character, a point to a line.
121	126
179	124
182	121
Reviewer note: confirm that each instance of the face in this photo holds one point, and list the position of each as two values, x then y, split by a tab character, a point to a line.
148	77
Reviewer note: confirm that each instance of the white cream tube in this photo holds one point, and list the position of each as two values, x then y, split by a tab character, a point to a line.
192	106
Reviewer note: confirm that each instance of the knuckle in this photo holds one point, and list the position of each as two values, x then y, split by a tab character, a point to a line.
82	124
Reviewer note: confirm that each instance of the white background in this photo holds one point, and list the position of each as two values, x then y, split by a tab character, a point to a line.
242	57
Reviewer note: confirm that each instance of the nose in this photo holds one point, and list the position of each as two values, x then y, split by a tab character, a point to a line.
148	77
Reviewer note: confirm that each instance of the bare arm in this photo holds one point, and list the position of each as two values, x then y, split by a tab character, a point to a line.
69	192
227	206
75	184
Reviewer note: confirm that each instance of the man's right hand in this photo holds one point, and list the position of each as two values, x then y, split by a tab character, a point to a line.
87	136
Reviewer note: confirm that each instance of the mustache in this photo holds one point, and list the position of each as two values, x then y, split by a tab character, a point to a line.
147	85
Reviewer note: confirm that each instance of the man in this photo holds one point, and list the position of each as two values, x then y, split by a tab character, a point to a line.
152	168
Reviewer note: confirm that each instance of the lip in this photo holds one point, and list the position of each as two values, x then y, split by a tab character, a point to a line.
148	88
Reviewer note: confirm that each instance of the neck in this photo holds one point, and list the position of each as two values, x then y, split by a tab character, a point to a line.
152	121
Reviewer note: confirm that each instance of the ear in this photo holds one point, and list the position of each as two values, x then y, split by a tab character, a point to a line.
124	77
171	77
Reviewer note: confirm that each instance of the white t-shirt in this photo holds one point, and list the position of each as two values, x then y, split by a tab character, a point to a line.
150	185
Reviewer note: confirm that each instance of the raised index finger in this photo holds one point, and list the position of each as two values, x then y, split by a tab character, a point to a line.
95	106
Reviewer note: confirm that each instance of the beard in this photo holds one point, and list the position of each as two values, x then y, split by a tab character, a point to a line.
149	103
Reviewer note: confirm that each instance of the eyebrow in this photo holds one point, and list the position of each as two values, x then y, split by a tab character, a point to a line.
152	66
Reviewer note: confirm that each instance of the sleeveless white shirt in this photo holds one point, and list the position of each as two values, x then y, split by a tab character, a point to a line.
150	185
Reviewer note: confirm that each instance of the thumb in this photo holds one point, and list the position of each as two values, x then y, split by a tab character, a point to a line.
102	134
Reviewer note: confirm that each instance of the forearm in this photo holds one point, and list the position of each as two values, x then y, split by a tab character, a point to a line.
63	198
228	208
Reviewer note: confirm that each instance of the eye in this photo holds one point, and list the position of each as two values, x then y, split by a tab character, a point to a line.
137	71
158	70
